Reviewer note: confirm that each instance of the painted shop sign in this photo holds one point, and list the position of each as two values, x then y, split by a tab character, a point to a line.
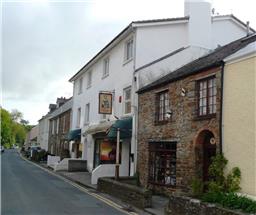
105	103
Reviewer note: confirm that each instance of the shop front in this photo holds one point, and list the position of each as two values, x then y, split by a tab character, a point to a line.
102	147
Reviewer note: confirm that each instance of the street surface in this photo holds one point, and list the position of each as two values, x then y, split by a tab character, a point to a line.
27	189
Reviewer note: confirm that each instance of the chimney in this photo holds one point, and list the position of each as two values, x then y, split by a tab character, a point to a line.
200	22
60	101
52	107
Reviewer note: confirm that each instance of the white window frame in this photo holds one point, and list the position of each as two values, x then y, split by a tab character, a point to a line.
87	114
89	79
105	72
57	126
78	118
125	101
128	55
80	85
53	126
63	123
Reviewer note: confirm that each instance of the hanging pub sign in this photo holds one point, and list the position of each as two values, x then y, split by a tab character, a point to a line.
105	103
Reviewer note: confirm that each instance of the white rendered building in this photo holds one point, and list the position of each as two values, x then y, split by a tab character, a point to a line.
117	70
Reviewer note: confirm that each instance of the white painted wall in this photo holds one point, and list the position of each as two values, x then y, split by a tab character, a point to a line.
44	132
233	31
165	66
119	78
151	42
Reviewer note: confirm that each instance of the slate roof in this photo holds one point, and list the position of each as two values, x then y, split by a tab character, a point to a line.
213	59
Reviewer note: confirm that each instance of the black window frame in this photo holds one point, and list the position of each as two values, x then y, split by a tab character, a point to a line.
158	103
208	113
162	163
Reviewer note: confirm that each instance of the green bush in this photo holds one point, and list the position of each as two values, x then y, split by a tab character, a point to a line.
231	201
219	182
233	180
197	187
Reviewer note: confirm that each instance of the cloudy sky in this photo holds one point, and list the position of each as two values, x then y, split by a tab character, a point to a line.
45	42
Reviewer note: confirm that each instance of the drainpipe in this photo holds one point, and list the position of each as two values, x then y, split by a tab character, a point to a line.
135	105
221	105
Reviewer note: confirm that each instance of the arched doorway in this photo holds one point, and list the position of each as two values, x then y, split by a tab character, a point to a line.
205	149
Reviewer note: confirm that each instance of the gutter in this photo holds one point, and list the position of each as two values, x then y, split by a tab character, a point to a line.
221	106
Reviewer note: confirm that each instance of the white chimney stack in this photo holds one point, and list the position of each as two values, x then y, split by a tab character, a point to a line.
200	22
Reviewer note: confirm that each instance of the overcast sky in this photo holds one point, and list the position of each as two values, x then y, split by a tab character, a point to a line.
44	43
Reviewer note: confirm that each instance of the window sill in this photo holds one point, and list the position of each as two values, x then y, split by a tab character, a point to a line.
127	61
104	76
163	185
161	122
86	123
126	115
205	117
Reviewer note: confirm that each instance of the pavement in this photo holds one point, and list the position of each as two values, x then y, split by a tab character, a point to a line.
30	189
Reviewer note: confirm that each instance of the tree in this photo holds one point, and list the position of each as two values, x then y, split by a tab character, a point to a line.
7	137
13	128
16	115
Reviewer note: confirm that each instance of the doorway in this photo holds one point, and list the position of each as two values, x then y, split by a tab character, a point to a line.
205	149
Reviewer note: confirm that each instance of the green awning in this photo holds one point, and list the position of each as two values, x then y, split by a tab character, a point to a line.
74	134
125	126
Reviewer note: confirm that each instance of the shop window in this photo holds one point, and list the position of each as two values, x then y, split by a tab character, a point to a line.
162	163
105	152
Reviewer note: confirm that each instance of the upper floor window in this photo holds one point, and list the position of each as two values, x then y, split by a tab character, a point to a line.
80	85
162	106
207	96
78	117
105	67
128	50
89	79
87	114
127	100
63	123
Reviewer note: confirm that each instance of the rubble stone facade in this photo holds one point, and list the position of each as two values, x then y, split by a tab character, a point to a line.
184	127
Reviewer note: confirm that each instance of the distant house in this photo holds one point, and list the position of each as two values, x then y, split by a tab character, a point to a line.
239	115
122	67
43	124
43	135
59	127
32	137
180	120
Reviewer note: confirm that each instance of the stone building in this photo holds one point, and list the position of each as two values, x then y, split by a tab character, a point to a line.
180	118
59	127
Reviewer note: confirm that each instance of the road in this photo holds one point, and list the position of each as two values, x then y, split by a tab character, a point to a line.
27	189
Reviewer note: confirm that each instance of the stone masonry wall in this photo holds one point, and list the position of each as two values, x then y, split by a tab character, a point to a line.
183	127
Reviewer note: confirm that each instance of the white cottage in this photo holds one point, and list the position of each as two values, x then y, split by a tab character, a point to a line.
116	70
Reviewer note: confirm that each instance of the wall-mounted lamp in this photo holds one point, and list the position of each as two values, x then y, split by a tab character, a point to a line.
183	92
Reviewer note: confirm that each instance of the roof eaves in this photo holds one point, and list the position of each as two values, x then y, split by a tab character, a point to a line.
101	51
232	16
